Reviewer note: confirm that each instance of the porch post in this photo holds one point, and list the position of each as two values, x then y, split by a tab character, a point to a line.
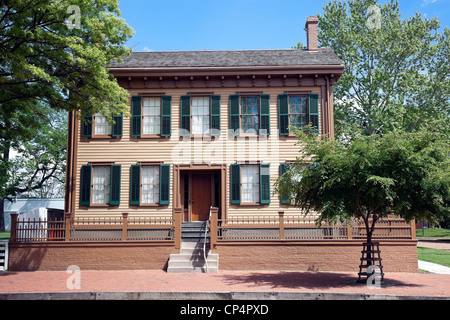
178	216
13	236
349	231
412	224
124	225
213	230
281	217
67	222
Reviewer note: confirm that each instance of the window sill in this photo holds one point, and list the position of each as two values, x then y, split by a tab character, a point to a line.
151	136
250	204
100	205
101	137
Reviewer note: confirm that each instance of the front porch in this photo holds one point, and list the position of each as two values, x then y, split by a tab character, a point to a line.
243	243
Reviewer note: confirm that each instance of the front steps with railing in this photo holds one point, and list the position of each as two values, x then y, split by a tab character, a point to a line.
192	257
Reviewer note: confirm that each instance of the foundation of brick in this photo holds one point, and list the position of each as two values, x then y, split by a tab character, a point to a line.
398	256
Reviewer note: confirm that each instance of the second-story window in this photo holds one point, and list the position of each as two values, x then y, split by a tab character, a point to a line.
151	115
250	114
102	126
298	111
200	115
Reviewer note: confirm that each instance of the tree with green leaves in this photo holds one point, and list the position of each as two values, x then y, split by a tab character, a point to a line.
397	71
53	56
406	174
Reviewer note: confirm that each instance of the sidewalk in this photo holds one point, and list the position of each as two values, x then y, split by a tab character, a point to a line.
225	285
433	267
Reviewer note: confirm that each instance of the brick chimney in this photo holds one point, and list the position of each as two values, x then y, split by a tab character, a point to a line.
311	33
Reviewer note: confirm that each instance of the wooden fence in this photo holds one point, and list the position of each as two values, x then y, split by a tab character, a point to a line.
300	228
236	228
92	229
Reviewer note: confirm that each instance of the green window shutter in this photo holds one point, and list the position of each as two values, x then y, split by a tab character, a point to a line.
283	114
264	183
284	167
185	121
215	115
86	130
264	114
166	116
234	115
117	127
114	199
136	116
85	185
164	184
235	183
135	185
313	101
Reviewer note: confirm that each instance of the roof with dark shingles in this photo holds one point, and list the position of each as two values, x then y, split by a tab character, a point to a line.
228	58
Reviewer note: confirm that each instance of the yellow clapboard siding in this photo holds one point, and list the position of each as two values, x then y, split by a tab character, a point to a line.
127	151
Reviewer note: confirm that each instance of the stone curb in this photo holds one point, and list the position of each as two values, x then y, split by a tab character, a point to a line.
208	296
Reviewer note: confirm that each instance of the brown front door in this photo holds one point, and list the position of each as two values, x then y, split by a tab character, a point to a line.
201	196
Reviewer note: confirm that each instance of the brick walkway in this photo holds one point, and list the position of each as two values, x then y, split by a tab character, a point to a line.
398	284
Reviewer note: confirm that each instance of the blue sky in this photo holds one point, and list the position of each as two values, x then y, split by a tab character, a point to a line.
166	25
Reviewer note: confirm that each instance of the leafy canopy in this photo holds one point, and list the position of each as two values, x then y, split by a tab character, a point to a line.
397	71
42	59
407	174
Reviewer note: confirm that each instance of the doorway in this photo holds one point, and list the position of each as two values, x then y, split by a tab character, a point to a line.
201	189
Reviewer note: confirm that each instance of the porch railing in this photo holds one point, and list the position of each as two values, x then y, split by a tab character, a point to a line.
122	228
235	228
283	227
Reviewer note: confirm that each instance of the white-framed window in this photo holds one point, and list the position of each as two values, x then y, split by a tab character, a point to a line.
250	114
250	183
101	125
200	115
101	184
151	115
298	111
150	184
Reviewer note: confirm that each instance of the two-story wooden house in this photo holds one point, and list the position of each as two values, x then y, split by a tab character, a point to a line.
208	129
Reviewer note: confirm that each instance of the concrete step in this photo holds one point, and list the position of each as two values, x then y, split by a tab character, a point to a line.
192	270
191	259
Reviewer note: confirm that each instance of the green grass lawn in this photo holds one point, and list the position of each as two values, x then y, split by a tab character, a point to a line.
441	257
433	233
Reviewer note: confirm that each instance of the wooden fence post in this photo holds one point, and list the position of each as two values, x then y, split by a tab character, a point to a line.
413	229
178	214
213	226
13	236
281	217
67	222
124	226
349	231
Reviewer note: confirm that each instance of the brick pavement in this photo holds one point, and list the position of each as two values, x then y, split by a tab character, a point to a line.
399	284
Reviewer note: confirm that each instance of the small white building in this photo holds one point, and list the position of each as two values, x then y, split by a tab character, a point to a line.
31	208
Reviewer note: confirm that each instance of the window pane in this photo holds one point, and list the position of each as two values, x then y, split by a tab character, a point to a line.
102	126
150	184
200	115
151	115
250	114
250	183
101	184
298	110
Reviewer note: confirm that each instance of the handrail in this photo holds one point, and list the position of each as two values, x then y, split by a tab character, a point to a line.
204	240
